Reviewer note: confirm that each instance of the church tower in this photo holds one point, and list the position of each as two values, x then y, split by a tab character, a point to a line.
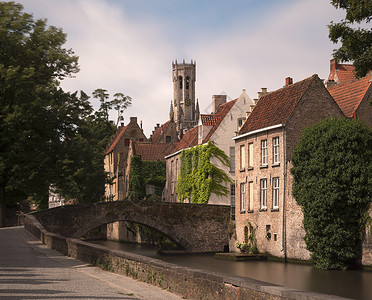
184	78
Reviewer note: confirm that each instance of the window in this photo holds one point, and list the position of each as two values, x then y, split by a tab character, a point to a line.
245	234
232	201
187	83
242	197
250	155
242	157
171	177
232	159
240	122
276	150
276	193
250	191
263	194
264	152
180	81
126	142
168	139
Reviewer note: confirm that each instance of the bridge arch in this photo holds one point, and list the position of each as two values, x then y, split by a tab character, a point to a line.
196	227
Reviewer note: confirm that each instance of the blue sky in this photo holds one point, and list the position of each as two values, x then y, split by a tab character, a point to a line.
128	46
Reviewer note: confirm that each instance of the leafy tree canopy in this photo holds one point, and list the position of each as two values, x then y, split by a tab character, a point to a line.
356	43
332	167
47	136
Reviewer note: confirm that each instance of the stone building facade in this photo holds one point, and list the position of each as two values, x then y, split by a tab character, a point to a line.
218	127
116	158
263	149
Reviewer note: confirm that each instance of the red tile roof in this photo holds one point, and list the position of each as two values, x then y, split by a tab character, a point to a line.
119	133
209	120
221	113
348	95
159	131
188	140
153	152
345	72
276	107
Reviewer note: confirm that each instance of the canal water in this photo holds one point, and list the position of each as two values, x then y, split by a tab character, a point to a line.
351	284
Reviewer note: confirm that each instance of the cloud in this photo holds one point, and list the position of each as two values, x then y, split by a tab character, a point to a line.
123	51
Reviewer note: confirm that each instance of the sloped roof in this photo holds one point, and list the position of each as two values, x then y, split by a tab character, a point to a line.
276	107
119	134
349	94
159	131
209	120
344	72
153	152
221	113
188	140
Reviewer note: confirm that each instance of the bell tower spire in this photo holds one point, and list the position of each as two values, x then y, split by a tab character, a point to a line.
184	78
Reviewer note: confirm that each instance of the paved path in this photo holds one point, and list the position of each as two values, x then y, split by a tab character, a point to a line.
29	270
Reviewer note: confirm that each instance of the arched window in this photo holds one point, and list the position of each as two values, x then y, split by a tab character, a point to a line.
187	82
180	80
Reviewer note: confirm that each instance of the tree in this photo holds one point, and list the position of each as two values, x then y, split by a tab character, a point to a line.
119	103
332	167
32	62
356	43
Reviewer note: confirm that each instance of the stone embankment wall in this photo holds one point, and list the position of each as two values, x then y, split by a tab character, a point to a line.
187	282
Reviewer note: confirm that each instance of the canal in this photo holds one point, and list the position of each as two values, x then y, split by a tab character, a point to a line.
351	284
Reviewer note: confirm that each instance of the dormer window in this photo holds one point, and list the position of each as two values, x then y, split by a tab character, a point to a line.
180	80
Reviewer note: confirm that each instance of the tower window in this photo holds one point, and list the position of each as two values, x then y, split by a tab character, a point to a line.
180	80
187	82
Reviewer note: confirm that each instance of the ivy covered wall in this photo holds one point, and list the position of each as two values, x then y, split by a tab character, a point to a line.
142	173
198	177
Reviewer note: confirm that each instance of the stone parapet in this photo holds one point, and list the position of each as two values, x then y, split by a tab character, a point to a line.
187	282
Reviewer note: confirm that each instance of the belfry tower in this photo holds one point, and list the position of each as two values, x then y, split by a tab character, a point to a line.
184	112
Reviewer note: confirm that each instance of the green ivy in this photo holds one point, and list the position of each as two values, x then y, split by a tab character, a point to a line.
332	167
199	178
142	173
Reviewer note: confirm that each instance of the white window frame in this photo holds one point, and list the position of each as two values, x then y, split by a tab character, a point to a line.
276	193
250	155
276	158
242	196
263	152
250	191
242	157
263	193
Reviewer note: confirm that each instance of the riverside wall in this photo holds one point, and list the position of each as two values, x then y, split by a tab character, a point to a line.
187	282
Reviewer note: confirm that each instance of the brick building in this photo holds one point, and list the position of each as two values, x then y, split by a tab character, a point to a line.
116	157
218	127
263	149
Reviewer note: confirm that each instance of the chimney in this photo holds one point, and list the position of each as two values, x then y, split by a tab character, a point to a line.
333	66
122	124
288	81
261	93
133	119
330	83
217	100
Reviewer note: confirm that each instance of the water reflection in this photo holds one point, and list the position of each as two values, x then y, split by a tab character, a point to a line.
351	284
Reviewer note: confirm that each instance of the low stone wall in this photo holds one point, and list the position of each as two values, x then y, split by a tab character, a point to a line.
187	282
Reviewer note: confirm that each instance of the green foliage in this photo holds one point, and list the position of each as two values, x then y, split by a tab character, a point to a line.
332	167
142	173
154	173
199	177
356	42
137	189
47	136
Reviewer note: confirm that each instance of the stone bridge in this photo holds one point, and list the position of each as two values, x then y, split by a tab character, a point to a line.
195	227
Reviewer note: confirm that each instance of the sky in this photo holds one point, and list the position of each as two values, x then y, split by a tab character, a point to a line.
128	46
